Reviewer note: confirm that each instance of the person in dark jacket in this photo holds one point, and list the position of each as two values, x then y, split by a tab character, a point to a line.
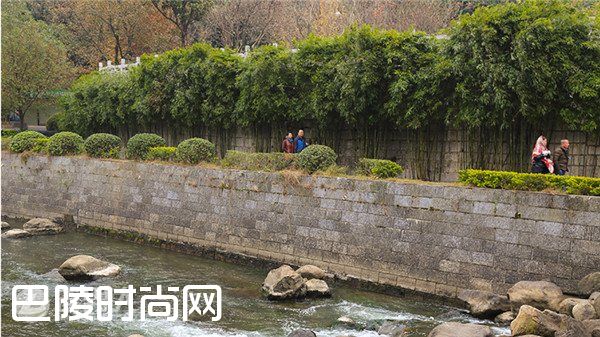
561	158
541	161
288	144
300	143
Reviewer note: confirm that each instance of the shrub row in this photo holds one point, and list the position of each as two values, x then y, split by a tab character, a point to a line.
530	181
483	70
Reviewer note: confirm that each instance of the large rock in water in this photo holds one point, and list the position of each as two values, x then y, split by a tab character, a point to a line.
584	311
590	284
284	283
41	226
566	306
546	324
15	234
317	288
484	304
4	225
538	294
85	267
454	329
309	271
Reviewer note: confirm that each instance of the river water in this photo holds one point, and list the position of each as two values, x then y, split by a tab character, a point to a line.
245	312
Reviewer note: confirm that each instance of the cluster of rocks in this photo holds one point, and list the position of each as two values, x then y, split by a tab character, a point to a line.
35	226
286	283
533	308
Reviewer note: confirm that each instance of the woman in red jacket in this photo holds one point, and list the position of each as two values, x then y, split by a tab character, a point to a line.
288	144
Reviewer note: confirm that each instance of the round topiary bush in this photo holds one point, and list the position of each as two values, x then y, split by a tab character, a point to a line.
316	158
65	143
381	168
138	145
24	141
195	150
102	145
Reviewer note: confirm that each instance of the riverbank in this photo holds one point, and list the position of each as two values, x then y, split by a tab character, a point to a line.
429	238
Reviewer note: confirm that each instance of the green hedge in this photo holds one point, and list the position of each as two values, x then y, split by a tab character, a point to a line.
381	168
139	145
164	153
259	161
316	158
103	145
65	143
543	52
195	150
24	141
530	181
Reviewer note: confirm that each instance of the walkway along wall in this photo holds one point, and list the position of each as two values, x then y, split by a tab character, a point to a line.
433	153
426	237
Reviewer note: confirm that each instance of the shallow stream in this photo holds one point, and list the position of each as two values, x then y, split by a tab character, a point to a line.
245	312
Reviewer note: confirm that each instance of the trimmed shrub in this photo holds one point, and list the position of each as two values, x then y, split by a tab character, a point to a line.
10	133
530	181
41	145
24	141
65	143
381	168
259	161
195	150
102	145
139	145
164	153
316	158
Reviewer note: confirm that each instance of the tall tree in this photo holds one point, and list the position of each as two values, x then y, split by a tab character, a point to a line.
184	14
34	61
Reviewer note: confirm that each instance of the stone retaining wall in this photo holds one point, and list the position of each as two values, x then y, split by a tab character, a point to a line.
432	238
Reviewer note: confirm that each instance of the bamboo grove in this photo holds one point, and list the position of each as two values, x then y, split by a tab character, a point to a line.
533	62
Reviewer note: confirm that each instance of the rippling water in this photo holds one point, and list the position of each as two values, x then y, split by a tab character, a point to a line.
245	312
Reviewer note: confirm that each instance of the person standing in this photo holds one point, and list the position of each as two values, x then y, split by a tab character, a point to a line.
300	143
561	158
541	158
288	144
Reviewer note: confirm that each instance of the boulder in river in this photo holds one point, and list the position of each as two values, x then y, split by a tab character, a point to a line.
317	288
538	294
505	318
590	284
4	225
284	283
546	323
566	306
85	267
302	333
454	329
42	226
15	234
484	304
584	311
309	271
